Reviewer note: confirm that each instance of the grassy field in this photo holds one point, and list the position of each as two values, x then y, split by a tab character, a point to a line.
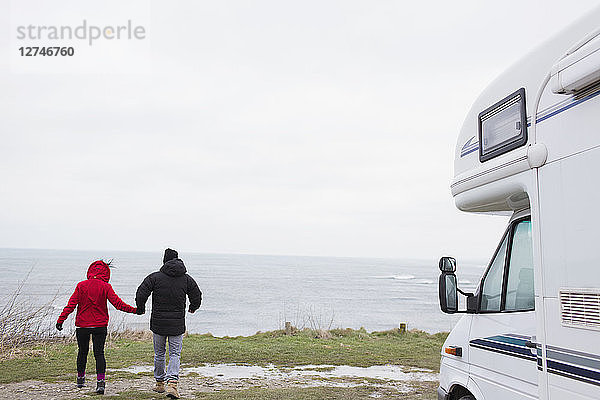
52	362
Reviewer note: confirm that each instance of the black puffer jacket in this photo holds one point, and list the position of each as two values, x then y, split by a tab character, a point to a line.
169	286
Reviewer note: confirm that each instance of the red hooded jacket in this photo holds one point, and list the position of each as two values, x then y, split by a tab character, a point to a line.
90	299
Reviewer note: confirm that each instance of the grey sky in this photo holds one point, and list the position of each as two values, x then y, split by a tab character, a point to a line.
313	128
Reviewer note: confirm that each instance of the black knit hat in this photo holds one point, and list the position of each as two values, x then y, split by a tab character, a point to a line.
170	254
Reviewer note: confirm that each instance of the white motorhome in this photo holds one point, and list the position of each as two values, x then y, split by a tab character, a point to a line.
530	148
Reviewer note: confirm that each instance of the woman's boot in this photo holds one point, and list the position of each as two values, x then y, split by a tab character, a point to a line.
100	387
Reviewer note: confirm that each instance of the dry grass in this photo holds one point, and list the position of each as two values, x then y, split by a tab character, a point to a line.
23	323
311	322
130	334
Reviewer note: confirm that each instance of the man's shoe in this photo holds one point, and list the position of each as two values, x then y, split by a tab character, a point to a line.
100	387
80	381
172	390
159	387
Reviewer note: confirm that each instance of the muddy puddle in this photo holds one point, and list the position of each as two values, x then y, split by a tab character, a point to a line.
228	372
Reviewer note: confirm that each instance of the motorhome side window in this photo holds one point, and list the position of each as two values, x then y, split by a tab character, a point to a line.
491	294
512	271
519	291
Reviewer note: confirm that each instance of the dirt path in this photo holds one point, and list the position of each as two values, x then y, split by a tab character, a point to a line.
29	390
212	378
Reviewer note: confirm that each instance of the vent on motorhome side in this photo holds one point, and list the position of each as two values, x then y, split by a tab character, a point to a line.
580	308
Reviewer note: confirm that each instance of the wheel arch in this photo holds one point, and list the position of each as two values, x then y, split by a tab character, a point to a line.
457	391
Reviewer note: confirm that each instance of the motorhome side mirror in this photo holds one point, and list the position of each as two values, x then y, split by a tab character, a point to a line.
448	264
448	293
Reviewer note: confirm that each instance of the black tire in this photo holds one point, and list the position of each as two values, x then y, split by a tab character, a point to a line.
468	397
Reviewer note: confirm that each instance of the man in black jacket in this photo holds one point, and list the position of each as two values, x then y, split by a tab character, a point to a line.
168	287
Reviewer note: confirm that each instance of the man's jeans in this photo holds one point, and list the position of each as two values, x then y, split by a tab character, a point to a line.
175	346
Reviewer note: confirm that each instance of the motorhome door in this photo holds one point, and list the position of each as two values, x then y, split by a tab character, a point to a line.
503	364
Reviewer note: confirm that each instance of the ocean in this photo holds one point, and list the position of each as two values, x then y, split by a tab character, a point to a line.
244	294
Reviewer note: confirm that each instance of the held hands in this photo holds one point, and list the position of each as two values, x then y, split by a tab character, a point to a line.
140	311
191	311
59	326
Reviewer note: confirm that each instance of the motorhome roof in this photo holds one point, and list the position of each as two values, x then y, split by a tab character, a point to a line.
528	73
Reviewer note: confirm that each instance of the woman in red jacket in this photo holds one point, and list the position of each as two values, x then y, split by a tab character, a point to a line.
92	318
